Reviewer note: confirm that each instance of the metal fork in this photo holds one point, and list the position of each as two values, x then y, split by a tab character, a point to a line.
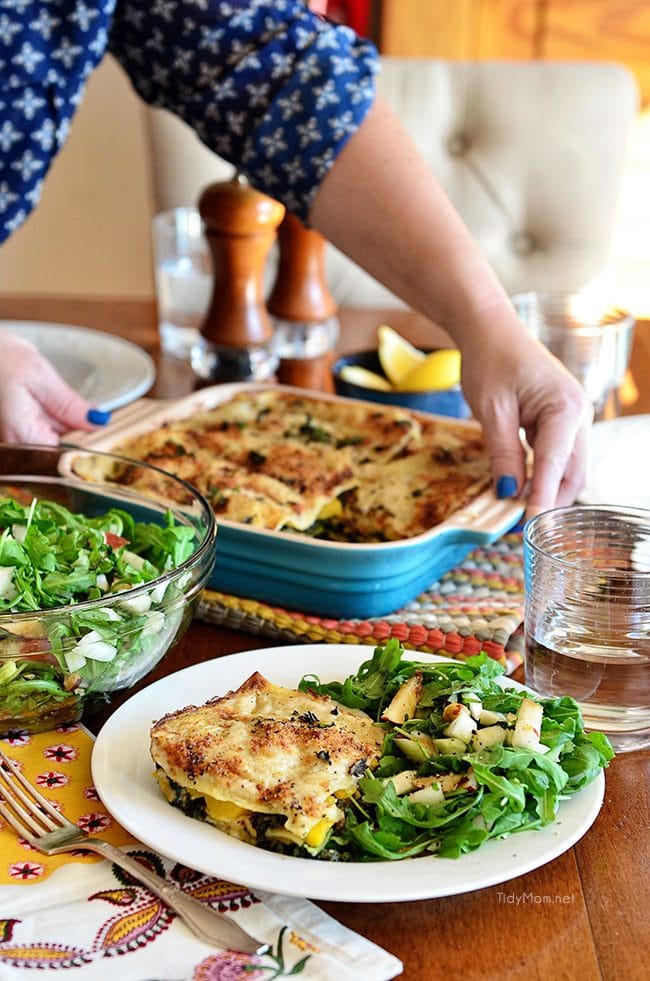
39	823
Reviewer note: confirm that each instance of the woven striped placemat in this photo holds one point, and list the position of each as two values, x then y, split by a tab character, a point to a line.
477	605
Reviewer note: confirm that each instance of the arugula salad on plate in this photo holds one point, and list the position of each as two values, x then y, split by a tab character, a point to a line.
463	760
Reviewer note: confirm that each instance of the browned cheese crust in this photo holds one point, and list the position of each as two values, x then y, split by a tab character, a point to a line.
341	470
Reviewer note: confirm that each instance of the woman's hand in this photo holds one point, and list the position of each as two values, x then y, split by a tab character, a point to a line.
513	384
36	405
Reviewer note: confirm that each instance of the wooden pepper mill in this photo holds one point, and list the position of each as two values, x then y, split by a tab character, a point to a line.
304	310
236	342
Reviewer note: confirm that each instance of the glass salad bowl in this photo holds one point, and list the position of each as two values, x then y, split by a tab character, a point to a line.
97	581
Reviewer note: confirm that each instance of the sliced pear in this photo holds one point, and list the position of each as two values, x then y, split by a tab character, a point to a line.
488	718
25	628
458	781
488	737
460	724
404	703
404	782
430	794
419	748
528	727
450	746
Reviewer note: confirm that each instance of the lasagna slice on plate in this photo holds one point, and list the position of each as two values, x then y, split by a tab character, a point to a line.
269	765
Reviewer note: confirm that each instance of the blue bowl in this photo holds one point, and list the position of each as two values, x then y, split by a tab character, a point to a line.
448	402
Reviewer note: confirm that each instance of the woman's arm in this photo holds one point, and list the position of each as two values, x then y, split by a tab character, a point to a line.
381	205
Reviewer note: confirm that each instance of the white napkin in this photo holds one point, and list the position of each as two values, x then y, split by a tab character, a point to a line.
87	918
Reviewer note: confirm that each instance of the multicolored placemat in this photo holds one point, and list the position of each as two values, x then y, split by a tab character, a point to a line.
477	605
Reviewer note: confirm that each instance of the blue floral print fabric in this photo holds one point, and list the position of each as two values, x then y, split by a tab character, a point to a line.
47	51
266	84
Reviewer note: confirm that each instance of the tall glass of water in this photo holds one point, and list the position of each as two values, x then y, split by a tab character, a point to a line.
183	275
587	615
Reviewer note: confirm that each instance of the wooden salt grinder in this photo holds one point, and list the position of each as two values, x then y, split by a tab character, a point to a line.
237	332
300	295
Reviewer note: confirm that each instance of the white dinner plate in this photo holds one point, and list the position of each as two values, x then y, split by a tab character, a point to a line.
619	463
106	370
123	775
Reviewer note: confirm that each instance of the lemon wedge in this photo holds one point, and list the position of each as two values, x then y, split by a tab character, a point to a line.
436	372
397	356
357	375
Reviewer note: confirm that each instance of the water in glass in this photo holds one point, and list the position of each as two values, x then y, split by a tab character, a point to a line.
587	616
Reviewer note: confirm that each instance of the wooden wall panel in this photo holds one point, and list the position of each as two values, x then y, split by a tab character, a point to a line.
461	28
616	30
426	28
509	29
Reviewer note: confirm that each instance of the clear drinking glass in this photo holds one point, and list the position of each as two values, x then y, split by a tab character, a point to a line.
183	274
591	339
587	615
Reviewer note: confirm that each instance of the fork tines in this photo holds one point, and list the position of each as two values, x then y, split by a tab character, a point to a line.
37	816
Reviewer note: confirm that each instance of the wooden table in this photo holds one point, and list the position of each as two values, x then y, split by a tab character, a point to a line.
581	915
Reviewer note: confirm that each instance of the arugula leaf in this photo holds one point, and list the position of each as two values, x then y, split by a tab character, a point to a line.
374	842
512	792
11	551
366	688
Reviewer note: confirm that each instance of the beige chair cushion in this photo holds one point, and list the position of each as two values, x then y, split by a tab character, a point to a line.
531	154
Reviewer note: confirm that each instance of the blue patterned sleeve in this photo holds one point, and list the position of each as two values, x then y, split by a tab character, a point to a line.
266	84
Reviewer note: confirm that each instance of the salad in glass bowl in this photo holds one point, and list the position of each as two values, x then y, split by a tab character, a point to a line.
97	581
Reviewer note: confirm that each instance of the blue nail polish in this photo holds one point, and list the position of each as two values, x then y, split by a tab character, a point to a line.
506	486
98	417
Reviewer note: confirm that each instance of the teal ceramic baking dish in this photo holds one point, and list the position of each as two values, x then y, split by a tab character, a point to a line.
349	581
337	580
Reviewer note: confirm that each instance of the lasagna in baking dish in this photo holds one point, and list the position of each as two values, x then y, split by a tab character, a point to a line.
269	765
334	469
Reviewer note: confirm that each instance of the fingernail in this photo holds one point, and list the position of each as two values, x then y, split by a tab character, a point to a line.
506	486
98	417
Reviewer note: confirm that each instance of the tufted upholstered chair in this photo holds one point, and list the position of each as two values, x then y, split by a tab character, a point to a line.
530	153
